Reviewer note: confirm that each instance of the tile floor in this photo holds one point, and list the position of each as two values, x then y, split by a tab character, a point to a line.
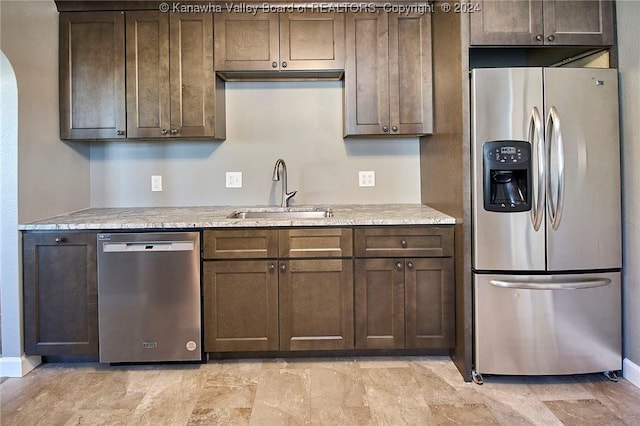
326	391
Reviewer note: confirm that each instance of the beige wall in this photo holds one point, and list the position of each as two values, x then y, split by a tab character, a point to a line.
53	176
629	65
300	122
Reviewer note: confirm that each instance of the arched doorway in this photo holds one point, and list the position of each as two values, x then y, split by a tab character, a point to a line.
12	361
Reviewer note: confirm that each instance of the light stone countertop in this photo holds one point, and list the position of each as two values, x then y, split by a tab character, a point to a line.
142	218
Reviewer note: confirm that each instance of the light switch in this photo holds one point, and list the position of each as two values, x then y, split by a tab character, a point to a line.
234	179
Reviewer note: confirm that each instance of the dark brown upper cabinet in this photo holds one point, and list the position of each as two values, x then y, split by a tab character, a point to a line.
542	22
92	82
388	75
172	90
279	42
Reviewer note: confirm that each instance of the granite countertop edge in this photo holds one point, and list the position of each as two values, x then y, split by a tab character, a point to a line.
141	218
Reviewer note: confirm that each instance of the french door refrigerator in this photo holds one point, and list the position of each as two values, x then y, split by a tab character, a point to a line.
546	221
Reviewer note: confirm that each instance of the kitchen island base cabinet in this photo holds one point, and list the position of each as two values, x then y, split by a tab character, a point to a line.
60	293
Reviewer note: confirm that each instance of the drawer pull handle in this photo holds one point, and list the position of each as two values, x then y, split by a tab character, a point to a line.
403	243
60	240
410	265
399	266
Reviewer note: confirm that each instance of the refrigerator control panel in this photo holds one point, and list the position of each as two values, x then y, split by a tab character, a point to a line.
509	155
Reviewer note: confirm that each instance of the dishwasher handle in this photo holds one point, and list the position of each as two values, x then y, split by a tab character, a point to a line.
147	246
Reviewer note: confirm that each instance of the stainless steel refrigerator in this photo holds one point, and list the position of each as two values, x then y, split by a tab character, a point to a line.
546	221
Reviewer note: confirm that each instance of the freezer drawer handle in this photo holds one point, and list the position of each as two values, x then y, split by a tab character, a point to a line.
562	285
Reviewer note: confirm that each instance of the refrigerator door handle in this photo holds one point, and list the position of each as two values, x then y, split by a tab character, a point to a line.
536	139
554	134
557	285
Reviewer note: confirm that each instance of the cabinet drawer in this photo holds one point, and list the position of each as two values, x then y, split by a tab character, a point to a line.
240	244
392	241
320	242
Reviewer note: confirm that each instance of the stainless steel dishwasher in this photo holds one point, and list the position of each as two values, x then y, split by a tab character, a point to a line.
149	297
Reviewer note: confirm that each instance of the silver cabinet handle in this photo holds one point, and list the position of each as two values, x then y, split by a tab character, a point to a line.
554	134
410	265
539	37
272	268
399	266
403	243
536	139
557	285
394	128
551	38
120	133
274	64
284	64
174	132
60	240
164	132
283	267
385	129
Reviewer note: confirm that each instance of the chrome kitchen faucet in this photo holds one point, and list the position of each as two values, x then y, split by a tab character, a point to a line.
286	196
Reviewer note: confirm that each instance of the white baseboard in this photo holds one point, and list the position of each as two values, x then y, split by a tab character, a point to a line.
15	366
631	371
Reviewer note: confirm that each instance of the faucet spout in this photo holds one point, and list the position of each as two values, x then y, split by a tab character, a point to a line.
278	176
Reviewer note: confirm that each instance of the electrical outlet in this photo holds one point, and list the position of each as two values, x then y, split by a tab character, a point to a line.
367	178
156	183
234	179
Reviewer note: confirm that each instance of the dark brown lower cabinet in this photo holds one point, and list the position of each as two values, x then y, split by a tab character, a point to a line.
316	304
60	293
404	303
240	305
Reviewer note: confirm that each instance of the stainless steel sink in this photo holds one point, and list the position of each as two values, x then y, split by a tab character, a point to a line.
286	213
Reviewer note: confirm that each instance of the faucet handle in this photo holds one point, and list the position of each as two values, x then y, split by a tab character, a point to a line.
291	194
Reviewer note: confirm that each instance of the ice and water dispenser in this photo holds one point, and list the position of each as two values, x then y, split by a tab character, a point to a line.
507	176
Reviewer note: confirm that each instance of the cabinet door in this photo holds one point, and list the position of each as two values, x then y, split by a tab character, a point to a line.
316	304
246	42
578	22
193	106
379	304
429	300
507	22
312	41
410	74
60	293
240	306
366	87
147	74
92	82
